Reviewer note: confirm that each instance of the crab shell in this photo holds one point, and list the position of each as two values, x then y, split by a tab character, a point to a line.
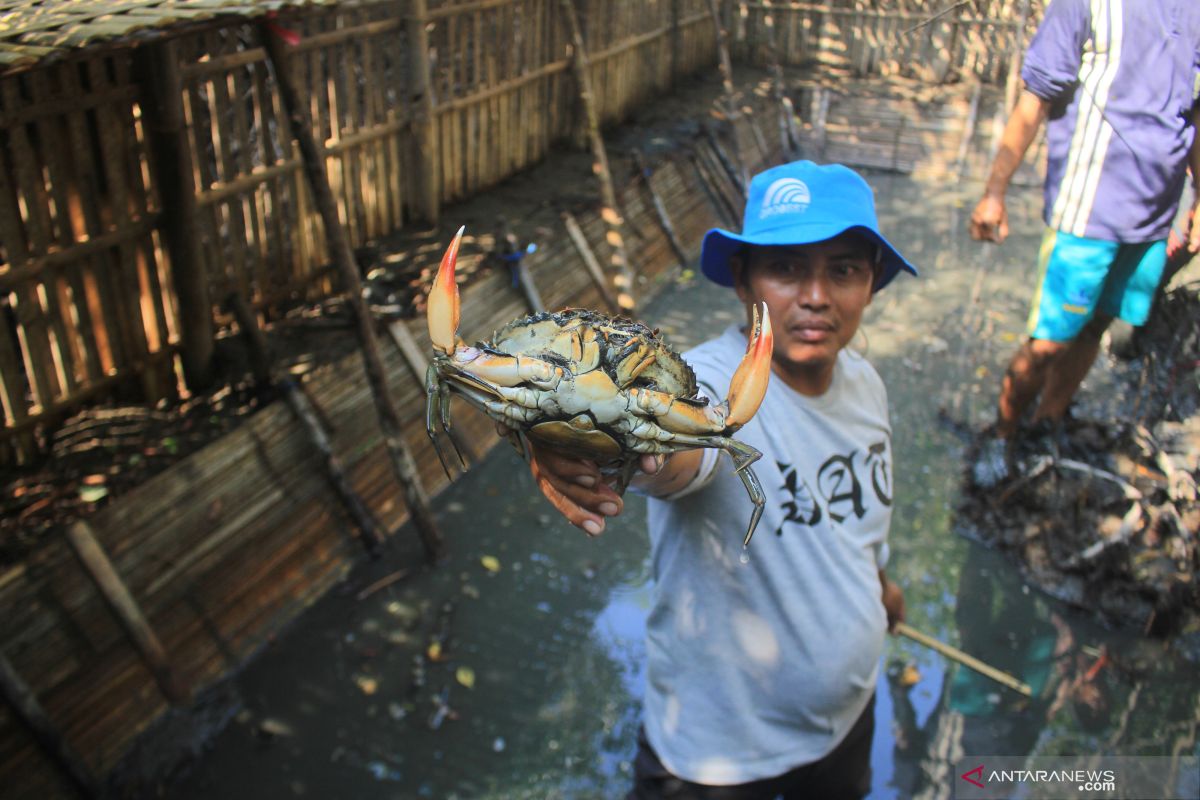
591	385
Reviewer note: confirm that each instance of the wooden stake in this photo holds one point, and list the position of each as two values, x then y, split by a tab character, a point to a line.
29	711
301	406
740	178
789	138
589	261
406	343
660	210
966	660
120	601
735	173
166	138
964	146
621	271
1012	82
403	464
508	247
425	125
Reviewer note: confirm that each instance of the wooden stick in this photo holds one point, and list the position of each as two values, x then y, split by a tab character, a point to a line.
789	138
405	468
589	260
736	174
508	247
966	660
120	601
622	273
302	407
25	706
740	178
425	124
660	210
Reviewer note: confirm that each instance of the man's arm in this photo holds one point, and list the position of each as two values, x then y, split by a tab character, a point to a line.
989	222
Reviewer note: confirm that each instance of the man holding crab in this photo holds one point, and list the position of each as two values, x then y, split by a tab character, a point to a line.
762	663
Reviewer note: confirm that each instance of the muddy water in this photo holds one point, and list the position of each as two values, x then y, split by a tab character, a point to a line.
537	631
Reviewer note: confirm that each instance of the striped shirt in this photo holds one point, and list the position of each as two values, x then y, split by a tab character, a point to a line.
1121	78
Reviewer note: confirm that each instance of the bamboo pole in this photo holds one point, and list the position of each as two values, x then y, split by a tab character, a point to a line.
25	706
964	145
1013	80
120	600
166	138
622	274
509	250
403	464
741	179
660	210
789	138
589	260
965	659
425	125
301	406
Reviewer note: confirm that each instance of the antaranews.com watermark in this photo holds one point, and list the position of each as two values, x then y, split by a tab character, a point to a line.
1077	778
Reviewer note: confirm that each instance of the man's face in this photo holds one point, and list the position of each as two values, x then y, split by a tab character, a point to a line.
816	294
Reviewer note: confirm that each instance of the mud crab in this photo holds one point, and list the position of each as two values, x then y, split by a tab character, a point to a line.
592	385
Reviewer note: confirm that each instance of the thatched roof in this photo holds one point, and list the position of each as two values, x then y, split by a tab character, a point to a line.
31	30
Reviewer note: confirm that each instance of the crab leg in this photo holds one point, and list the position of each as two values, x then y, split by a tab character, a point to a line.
743	456
437	411
442	309
749	383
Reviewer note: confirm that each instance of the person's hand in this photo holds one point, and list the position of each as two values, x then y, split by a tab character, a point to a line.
893	603
576	488
989	220
1192	229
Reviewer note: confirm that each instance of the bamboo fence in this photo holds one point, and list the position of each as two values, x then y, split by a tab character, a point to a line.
146	181
116	227
223	549
146	173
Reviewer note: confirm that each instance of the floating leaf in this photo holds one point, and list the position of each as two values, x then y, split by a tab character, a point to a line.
367	684
465	676
909	676
434	651
92	494
490	563
982	371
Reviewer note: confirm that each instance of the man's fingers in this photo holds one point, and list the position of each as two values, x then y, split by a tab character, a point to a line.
575	488
651	464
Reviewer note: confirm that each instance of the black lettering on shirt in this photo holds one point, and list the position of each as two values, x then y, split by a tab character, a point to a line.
841	490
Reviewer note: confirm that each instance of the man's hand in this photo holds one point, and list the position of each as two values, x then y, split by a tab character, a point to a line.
576	488
893	602
989	220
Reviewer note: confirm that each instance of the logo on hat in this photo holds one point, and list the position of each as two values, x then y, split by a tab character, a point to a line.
785	196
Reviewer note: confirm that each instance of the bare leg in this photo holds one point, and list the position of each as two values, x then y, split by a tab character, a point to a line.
1070	368
1026	375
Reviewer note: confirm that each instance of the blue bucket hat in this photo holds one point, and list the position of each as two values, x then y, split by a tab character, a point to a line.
801	203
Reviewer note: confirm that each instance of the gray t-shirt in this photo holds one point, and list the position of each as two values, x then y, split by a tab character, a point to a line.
756	668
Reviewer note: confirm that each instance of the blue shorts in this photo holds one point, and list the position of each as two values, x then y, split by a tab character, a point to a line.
1078	277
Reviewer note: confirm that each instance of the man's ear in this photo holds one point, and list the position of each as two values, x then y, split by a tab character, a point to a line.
737	268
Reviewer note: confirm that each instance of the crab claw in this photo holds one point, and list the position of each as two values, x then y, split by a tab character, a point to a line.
749	382
442	309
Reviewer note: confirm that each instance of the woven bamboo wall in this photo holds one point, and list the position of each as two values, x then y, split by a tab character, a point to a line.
230	544
927	40
85	280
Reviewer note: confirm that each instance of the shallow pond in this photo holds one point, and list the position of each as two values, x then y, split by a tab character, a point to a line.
537	631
